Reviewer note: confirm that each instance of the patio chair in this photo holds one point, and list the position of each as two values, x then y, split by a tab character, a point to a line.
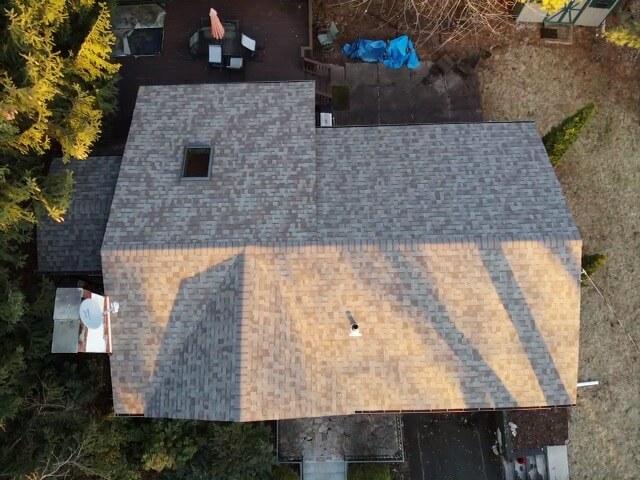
327	38
248	43
235	63
199	40
194	43
215	55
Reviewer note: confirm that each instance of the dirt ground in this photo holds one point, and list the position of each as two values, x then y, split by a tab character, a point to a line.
528	80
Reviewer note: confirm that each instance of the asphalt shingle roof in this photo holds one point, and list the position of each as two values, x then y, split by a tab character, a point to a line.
262	183
451	246
74	245
435	181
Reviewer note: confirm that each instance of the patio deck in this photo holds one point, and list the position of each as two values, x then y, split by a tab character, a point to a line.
279	26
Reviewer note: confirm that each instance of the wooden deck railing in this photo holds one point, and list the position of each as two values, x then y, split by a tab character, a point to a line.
312	67
316	68
322	72
310	26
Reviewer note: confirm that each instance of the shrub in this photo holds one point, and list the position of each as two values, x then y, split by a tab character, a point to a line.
240	451
158	444
284	472
591	264
369	471
560	138
195	450
551	6
626	35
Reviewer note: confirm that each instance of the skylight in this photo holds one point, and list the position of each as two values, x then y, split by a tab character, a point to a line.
196	162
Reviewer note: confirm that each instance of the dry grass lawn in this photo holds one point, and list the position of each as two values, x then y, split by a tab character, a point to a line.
527	80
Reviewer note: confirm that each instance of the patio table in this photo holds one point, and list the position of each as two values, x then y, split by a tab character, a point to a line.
231	44
226	51
231	41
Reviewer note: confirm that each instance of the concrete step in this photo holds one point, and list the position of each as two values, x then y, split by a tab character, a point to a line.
558	462
541	466
312	470
338	74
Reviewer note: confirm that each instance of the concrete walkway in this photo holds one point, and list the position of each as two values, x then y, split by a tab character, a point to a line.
381	96
334	470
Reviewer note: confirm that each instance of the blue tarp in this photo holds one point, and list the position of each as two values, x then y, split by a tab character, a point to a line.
393	54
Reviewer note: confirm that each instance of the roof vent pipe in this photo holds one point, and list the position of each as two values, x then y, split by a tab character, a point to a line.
354	331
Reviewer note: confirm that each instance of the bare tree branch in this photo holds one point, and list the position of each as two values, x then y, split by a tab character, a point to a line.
426	20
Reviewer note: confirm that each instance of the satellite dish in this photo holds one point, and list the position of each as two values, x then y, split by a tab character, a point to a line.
91	313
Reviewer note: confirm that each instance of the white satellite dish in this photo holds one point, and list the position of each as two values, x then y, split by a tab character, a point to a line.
91	313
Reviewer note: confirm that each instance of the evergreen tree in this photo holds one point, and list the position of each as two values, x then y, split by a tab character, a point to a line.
560	138
12	364
56	85
25	194
93	60
48	93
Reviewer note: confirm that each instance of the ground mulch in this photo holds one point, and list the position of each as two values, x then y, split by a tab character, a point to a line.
539	428
400	471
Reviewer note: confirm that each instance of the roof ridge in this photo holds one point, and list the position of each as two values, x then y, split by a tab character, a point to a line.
383	244
488	122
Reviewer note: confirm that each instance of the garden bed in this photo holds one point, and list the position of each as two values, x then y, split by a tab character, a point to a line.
352	437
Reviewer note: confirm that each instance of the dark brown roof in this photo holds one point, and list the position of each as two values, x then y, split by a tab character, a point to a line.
74	245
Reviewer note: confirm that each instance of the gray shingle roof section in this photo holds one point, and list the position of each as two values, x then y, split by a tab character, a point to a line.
437	181
262	183
74	245
275	178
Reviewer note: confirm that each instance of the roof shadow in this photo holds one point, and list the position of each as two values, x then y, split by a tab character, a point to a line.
491	390
207	347
195	372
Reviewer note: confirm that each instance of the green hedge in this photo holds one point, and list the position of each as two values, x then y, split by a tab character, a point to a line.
591	264
284	472
369	471
560	138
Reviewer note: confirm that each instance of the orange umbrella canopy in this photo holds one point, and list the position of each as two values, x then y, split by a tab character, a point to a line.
217	30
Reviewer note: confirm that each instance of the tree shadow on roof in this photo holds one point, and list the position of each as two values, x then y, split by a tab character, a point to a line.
515	303
489	390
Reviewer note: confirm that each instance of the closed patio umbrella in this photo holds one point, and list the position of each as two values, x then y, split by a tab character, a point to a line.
217	30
